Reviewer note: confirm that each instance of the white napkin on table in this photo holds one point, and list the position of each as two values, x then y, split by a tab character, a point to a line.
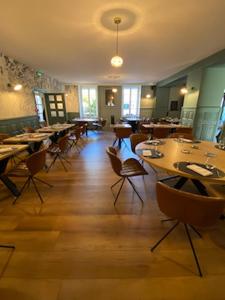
146	152
199	170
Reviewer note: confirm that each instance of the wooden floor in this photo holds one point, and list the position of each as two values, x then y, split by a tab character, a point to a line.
78	246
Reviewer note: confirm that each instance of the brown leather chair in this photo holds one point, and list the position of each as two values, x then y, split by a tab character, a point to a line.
160	133
135	139
58	151
182	130
122	133
190	209
28	130
28	169
176	135
74	139
129	168
3	136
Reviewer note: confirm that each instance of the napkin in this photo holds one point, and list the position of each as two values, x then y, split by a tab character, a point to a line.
147	153
3	150
186	140
199	170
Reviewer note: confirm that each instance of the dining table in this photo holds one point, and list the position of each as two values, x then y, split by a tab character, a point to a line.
56	130
201	162
6	152
88	121
34	140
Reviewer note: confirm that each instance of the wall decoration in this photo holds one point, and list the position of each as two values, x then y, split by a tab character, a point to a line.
174	105
61	113
52	106
60	105
110	98
51	98
59	98
53	113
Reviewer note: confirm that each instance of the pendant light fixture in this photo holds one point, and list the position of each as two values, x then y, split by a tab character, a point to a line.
116	60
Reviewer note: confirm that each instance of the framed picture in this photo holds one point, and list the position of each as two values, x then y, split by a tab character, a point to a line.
59	98
61	113
60	105
52	105
51	98
53	113
174	105
109	98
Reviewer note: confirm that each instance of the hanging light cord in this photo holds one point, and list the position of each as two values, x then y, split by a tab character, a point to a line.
117	39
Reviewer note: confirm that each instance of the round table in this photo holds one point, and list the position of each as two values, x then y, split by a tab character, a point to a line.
172	150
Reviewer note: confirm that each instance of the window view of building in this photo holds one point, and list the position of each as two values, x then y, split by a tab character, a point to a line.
88	102
131	100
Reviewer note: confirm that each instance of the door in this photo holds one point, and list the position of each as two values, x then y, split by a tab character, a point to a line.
55	106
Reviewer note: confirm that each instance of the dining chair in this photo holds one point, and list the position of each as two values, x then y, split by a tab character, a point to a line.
28	169
183	130
74	139
135	139
191	210
160	133
3	136
121	134
100	124
184	135
58	151
126	169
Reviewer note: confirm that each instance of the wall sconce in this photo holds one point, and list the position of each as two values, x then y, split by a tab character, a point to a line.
148	96
183	90
17	87
114	90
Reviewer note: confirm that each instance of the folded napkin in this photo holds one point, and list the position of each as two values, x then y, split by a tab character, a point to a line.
186	140
3	150
146	152
199	170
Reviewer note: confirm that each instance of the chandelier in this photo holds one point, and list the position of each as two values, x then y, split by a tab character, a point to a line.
116	60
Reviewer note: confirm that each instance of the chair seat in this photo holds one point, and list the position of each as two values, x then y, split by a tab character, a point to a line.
72	138
132	167
54	150
20	170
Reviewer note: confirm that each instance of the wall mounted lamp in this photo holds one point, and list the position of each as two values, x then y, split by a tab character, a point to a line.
17	87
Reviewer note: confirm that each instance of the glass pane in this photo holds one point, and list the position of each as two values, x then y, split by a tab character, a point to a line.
89	102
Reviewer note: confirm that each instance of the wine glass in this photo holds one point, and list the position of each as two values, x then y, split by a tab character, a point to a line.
208	156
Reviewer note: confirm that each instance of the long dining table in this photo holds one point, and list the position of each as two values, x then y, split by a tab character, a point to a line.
180	156
6	152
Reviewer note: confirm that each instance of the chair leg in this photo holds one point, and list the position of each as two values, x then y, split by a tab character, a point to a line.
52	163
119	191
8	246
133	186
167	220
42	181
195	230
63	164
116	183
165	235
193	250
114	142
69	163
27	182
37	191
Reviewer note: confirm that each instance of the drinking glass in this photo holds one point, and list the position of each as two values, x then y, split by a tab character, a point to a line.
208	156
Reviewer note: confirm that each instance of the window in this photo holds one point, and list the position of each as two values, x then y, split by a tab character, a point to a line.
131	100
39	107
88	101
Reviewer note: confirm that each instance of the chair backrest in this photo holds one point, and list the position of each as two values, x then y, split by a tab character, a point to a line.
184	130
142	129
115	161
188	136
189	208
123	133
63	143
28	130
36	161
135	139
161	133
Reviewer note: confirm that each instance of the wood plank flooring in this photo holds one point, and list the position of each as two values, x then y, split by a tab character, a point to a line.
78	246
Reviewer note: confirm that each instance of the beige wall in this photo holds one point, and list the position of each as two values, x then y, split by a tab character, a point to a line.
72	99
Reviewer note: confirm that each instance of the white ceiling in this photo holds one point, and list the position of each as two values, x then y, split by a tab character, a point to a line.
75	40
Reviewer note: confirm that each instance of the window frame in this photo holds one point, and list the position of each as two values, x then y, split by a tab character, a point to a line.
84	86
139	99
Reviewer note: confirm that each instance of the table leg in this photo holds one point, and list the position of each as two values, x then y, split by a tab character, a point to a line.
4	178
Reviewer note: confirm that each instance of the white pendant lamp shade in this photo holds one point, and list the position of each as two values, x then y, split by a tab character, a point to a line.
116	61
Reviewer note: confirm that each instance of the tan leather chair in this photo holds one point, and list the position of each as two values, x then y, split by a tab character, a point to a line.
160	133
74	139
58	151
129	168
28	169
190	209
135	139
122	133
184	130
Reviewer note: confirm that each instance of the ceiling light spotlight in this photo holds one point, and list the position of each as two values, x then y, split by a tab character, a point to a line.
116	60
18	87
183	90
114	90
